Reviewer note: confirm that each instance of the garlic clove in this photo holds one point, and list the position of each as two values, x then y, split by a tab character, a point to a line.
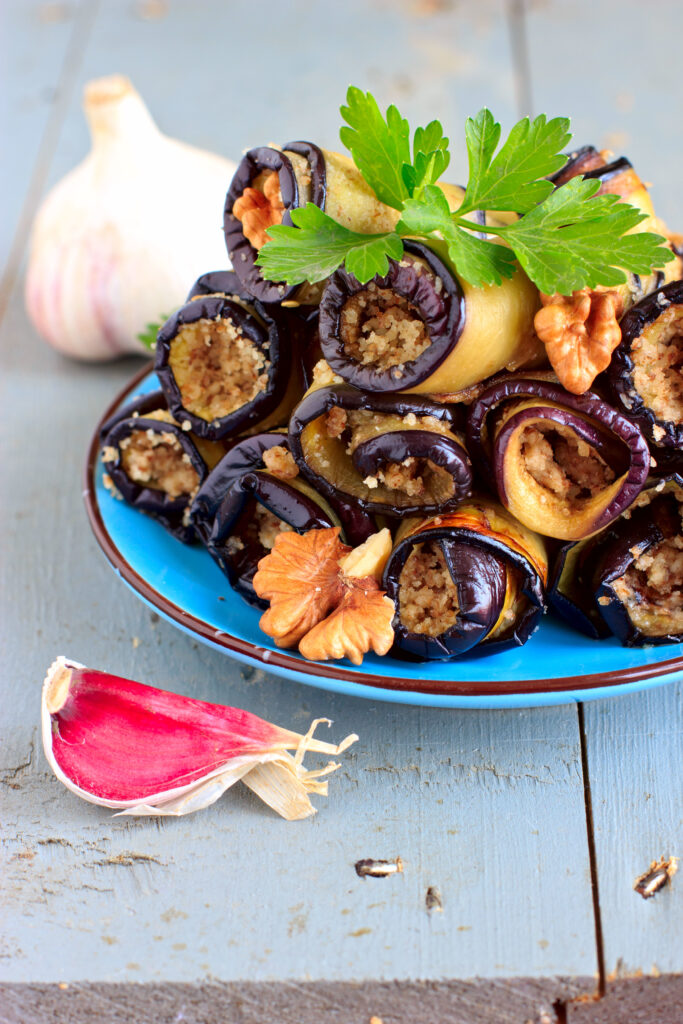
145	751
115	243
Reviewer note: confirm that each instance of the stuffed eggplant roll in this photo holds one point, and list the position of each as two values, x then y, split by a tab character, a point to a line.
565	465
421	329
253	494
629	579
391	454
271	182
154	464
470	578
645	376
220	363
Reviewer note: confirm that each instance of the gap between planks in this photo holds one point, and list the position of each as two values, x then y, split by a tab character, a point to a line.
83	22
592	855
516	18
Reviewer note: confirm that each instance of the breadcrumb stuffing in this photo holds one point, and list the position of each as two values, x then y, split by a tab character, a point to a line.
159	461
414	477
563	463
428	598
658	366
217	369
652	588
280	461
381	329
269	526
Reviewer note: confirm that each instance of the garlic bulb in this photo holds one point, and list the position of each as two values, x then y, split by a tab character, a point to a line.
118	242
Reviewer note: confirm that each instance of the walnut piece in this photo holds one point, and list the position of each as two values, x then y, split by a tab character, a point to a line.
319	606
302	581
360	622
580	332
258	210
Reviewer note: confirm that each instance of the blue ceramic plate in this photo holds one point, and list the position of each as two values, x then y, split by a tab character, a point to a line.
185	586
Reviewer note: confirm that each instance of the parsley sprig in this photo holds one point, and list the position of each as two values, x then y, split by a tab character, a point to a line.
565	238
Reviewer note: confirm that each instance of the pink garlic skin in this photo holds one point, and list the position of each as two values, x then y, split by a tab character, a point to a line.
117	243
145	751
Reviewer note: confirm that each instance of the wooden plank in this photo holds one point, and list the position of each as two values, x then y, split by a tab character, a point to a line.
511	1001
635	750
587	60
487	808
40	47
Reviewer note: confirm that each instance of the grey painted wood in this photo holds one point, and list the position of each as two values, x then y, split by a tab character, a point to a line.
510	1001
635	750
622	96
485	807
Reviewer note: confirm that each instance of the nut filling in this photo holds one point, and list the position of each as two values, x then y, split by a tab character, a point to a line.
216	368
416	478
428	598
382	329
563	463
652	589
158	461
256	531
259	207
658	364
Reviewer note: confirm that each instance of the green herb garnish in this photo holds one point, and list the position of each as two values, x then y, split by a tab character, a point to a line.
565	238
148	337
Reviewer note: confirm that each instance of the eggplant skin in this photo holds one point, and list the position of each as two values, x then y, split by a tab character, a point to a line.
218	282
387	447
243	458
570	595
171	513
580	161
619	374
617	433
240	478
480	543
260	328
240	250
443	313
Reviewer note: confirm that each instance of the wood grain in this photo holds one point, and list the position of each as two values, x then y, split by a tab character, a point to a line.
634	744
507	1001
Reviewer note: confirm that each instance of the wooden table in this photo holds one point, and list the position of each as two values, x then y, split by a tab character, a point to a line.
531	825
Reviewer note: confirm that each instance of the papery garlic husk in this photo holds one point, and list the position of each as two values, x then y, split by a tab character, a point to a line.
116	243
144	751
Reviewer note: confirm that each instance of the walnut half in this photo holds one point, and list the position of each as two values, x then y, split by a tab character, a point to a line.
580	332
318	601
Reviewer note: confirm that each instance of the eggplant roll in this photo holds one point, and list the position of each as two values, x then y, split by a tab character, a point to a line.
269	183
645	376
618	177
628	580
155	465
472	578
420	329
565	465
254	493
390	454
219	282
221	366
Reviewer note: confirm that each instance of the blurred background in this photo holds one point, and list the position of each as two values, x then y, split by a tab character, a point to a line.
229	75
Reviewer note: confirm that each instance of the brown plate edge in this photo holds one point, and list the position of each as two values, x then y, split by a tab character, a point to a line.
271	657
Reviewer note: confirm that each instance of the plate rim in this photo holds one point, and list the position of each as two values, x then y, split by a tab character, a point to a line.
274	658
